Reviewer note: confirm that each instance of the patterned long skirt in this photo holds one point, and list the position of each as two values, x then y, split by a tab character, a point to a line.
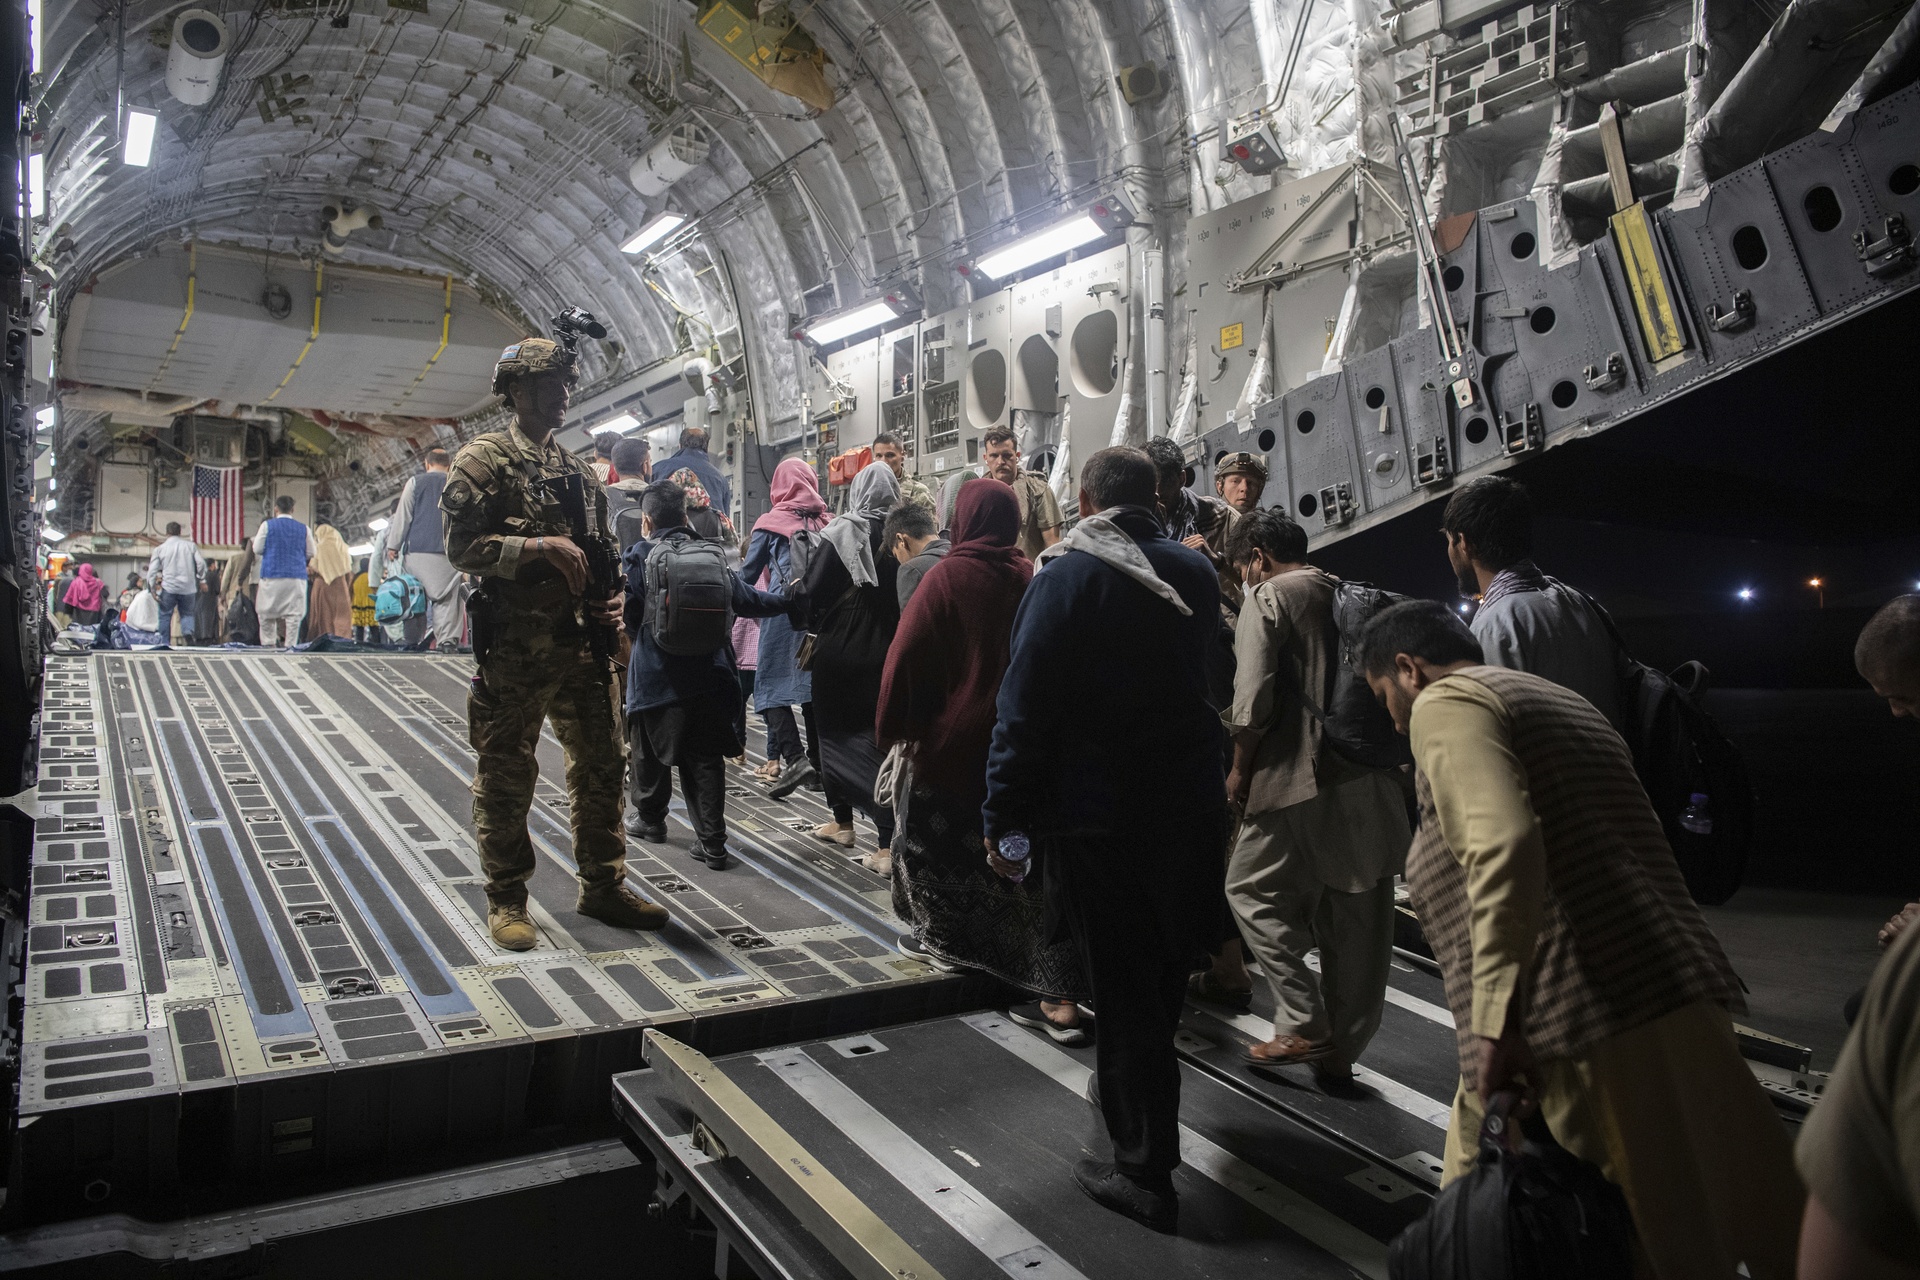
965	914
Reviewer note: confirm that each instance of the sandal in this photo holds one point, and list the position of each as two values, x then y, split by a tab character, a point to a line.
1206	988
768	771
880	862
1288	1051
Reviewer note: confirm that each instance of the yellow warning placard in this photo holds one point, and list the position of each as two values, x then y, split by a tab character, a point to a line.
1232	336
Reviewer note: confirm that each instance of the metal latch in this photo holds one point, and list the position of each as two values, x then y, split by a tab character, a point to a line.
1607	375
1738	316
349	986
1431	465
313	916
1518	436
97	938
85	875
1336	504
1891	253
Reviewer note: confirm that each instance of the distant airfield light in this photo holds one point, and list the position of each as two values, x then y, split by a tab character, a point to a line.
140	129
624	422
1465	606
657	228
379	524
1746	593
1820	589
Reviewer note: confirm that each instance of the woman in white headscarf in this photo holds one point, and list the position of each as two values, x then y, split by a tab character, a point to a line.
330	606
852	612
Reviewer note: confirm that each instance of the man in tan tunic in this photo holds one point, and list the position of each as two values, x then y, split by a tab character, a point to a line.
1320	838
1577	968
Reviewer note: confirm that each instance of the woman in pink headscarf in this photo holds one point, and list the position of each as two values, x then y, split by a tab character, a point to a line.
779	683
86	596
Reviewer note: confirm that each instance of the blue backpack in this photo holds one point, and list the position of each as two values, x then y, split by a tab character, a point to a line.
400	597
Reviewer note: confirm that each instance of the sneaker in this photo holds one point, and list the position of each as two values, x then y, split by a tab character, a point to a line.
1154	1205
619	906
1032	1015
913	948
647	832
791	779
816	786
511	926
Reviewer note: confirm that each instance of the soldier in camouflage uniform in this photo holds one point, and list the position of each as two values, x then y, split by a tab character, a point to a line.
505	526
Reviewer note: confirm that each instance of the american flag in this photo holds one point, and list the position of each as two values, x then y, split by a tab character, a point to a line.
217	505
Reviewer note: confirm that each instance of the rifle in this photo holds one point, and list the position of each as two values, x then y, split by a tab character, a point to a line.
604	578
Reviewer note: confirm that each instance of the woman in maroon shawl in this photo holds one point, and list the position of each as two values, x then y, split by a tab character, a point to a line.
937	694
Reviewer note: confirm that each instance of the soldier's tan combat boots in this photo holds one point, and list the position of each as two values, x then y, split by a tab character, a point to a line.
621	907
511	926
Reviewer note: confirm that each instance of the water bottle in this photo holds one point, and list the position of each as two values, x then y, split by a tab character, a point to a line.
1697	817
1016	848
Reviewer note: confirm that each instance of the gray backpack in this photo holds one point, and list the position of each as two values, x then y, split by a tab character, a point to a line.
689	596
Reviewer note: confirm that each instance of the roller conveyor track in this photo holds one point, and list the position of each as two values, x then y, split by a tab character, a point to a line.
258	948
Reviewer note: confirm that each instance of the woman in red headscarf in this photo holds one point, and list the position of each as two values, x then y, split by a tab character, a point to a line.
937	695
779	684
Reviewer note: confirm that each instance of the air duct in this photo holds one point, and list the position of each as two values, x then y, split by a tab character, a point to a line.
343	222
670	159
196	56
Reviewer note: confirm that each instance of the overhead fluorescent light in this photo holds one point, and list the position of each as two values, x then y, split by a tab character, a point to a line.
360	549
625	422
139	145
658	228
1104	218
52	537
37	184
51	504
33	18
44	418
825	330
378	524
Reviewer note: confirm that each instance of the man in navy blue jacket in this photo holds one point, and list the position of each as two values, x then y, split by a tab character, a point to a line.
682	710
1107	756
694	457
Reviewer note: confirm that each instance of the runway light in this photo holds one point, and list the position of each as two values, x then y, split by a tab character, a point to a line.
1813	582
379	524
1746	593
139	145
37	185
824	330
625	422
657	228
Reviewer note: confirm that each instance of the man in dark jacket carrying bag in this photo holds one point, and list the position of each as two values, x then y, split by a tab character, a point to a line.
683	697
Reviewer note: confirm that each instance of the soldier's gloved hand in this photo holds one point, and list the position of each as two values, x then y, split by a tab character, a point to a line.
608	612
563	554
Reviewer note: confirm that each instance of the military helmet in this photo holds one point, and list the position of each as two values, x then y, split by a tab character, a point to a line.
1241	464
530	356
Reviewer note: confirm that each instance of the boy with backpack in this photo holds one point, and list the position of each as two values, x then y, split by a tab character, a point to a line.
1323	825
683	692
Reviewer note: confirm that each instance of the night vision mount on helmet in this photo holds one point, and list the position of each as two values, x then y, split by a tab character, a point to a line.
538	355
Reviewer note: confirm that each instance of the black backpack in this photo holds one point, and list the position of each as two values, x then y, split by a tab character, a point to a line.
623	512
1530	1210
1354	722
1679	751
689	596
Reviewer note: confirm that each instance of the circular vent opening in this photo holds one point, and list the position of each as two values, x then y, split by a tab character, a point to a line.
1564	394
1905	180
1376	396
1304	423
1750	248
1308	504
1523	245
1476	431
1541	319
1266	442
1453	278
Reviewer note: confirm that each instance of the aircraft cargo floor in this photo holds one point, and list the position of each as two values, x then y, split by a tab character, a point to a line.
258	945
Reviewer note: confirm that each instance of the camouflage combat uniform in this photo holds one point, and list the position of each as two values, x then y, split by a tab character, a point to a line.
914	492
538	666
